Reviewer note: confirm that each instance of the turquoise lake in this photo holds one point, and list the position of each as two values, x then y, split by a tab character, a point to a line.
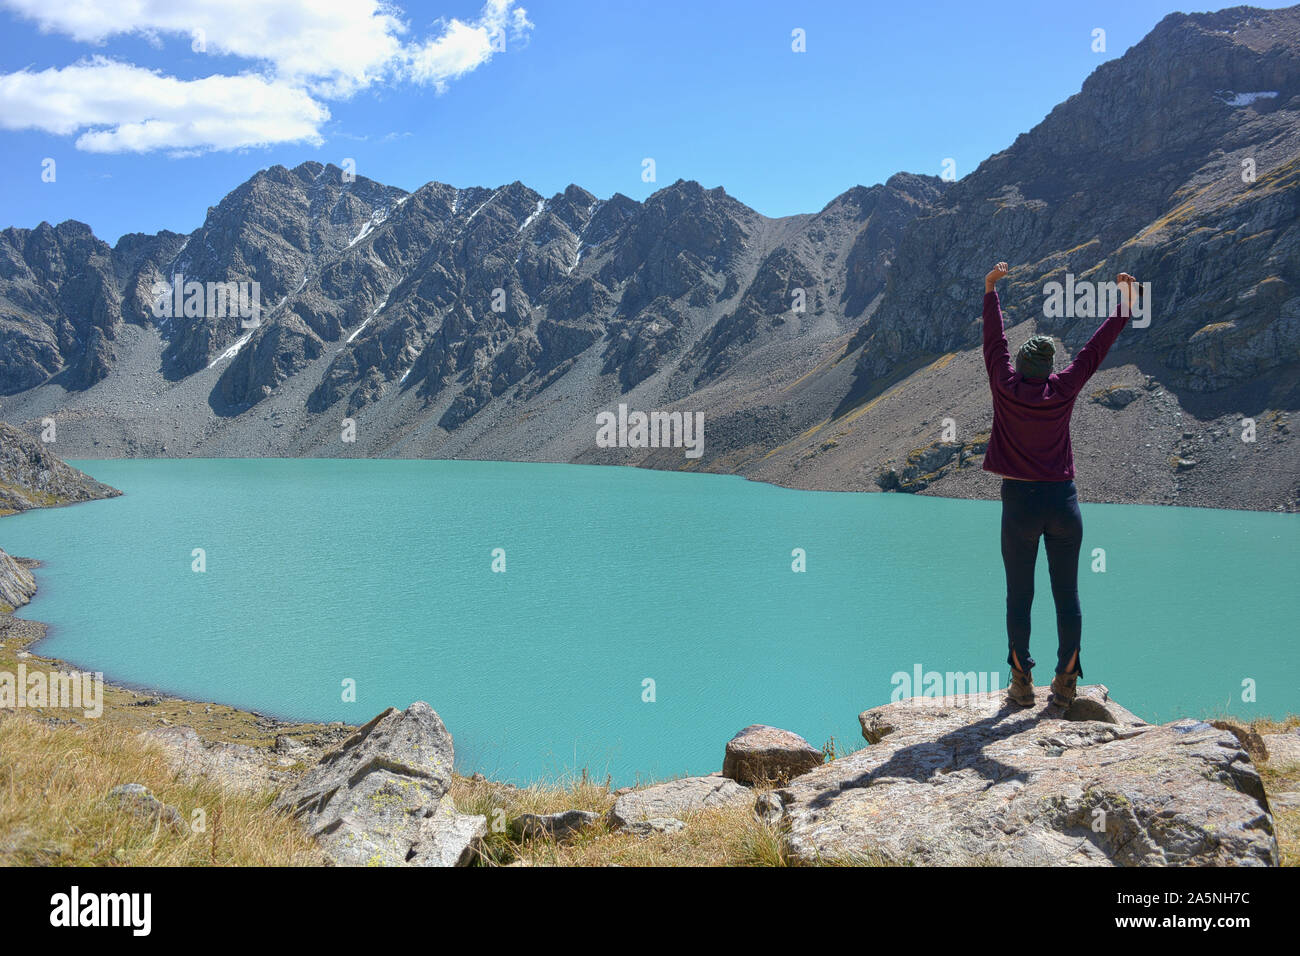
380	572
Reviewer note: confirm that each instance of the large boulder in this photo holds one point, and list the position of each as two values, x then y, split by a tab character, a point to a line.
382	798
676	798
1117	396
762	754
975	779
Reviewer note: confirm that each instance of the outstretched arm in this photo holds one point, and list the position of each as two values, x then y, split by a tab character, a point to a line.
997	357
1093	354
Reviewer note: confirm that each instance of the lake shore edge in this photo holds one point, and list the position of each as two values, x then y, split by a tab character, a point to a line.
964	490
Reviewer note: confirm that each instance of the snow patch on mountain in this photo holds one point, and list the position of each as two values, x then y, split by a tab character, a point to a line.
541	204
232	351
369	227
1245	99
367	320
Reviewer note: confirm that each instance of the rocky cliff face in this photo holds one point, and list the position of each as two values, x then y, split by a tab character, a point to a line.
32	477
16	583
1178	162
60	307
495	323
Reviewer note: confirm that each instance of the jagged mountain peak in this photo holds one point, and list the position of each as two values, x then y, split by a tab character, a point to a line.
65	230
576	194
684	192
1258	29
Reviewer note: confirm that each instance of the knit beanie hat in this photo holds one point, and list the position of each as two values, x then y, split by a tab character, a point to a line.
1034	360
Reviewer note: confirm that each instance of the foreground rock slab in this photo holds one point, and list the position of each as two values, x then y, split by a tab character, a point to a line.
976	780
763	754
678	797
381	799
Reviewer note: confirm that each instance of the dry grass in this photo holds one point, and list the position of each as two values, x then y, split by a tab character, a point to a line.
1282	779
719	837
1286	823
54	785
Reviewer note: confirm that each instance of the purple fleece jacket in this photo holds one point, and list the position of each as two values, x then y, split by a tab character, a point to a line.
1031	417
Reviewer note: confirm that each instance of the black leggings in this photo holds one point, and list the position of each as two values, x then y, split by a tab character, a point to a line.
1049	509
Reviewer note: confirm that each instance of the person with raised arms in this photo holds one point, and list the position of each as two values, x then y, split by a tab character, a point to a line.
1030	448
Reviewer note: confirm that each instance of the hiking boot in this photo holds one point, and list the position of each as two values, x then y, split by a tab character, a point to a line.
1063	692
1022	688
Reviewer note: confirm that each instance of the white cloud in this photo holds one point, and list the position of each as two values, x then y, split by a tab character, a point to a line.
463	47
332	46
125	108
304	51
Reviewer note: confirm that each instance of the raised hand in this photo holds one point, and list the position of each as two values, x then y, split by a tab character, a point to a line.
997	272
1127	285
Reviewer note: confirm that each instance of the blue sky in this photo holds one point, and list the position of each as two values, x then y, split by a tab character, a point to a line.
581	92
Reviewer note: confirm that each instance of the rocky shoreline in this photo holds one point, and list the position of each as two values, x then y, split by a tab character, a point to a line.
950	781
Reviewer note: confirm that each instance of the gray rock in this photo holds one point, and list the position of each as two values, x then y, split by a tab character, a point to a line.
449	838
236	766
923	466
1249	738
760	754
557	826
1282	749
769	809
287	745
977	780
1119	396
677	798
382	797
61	306
645	828
136	798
